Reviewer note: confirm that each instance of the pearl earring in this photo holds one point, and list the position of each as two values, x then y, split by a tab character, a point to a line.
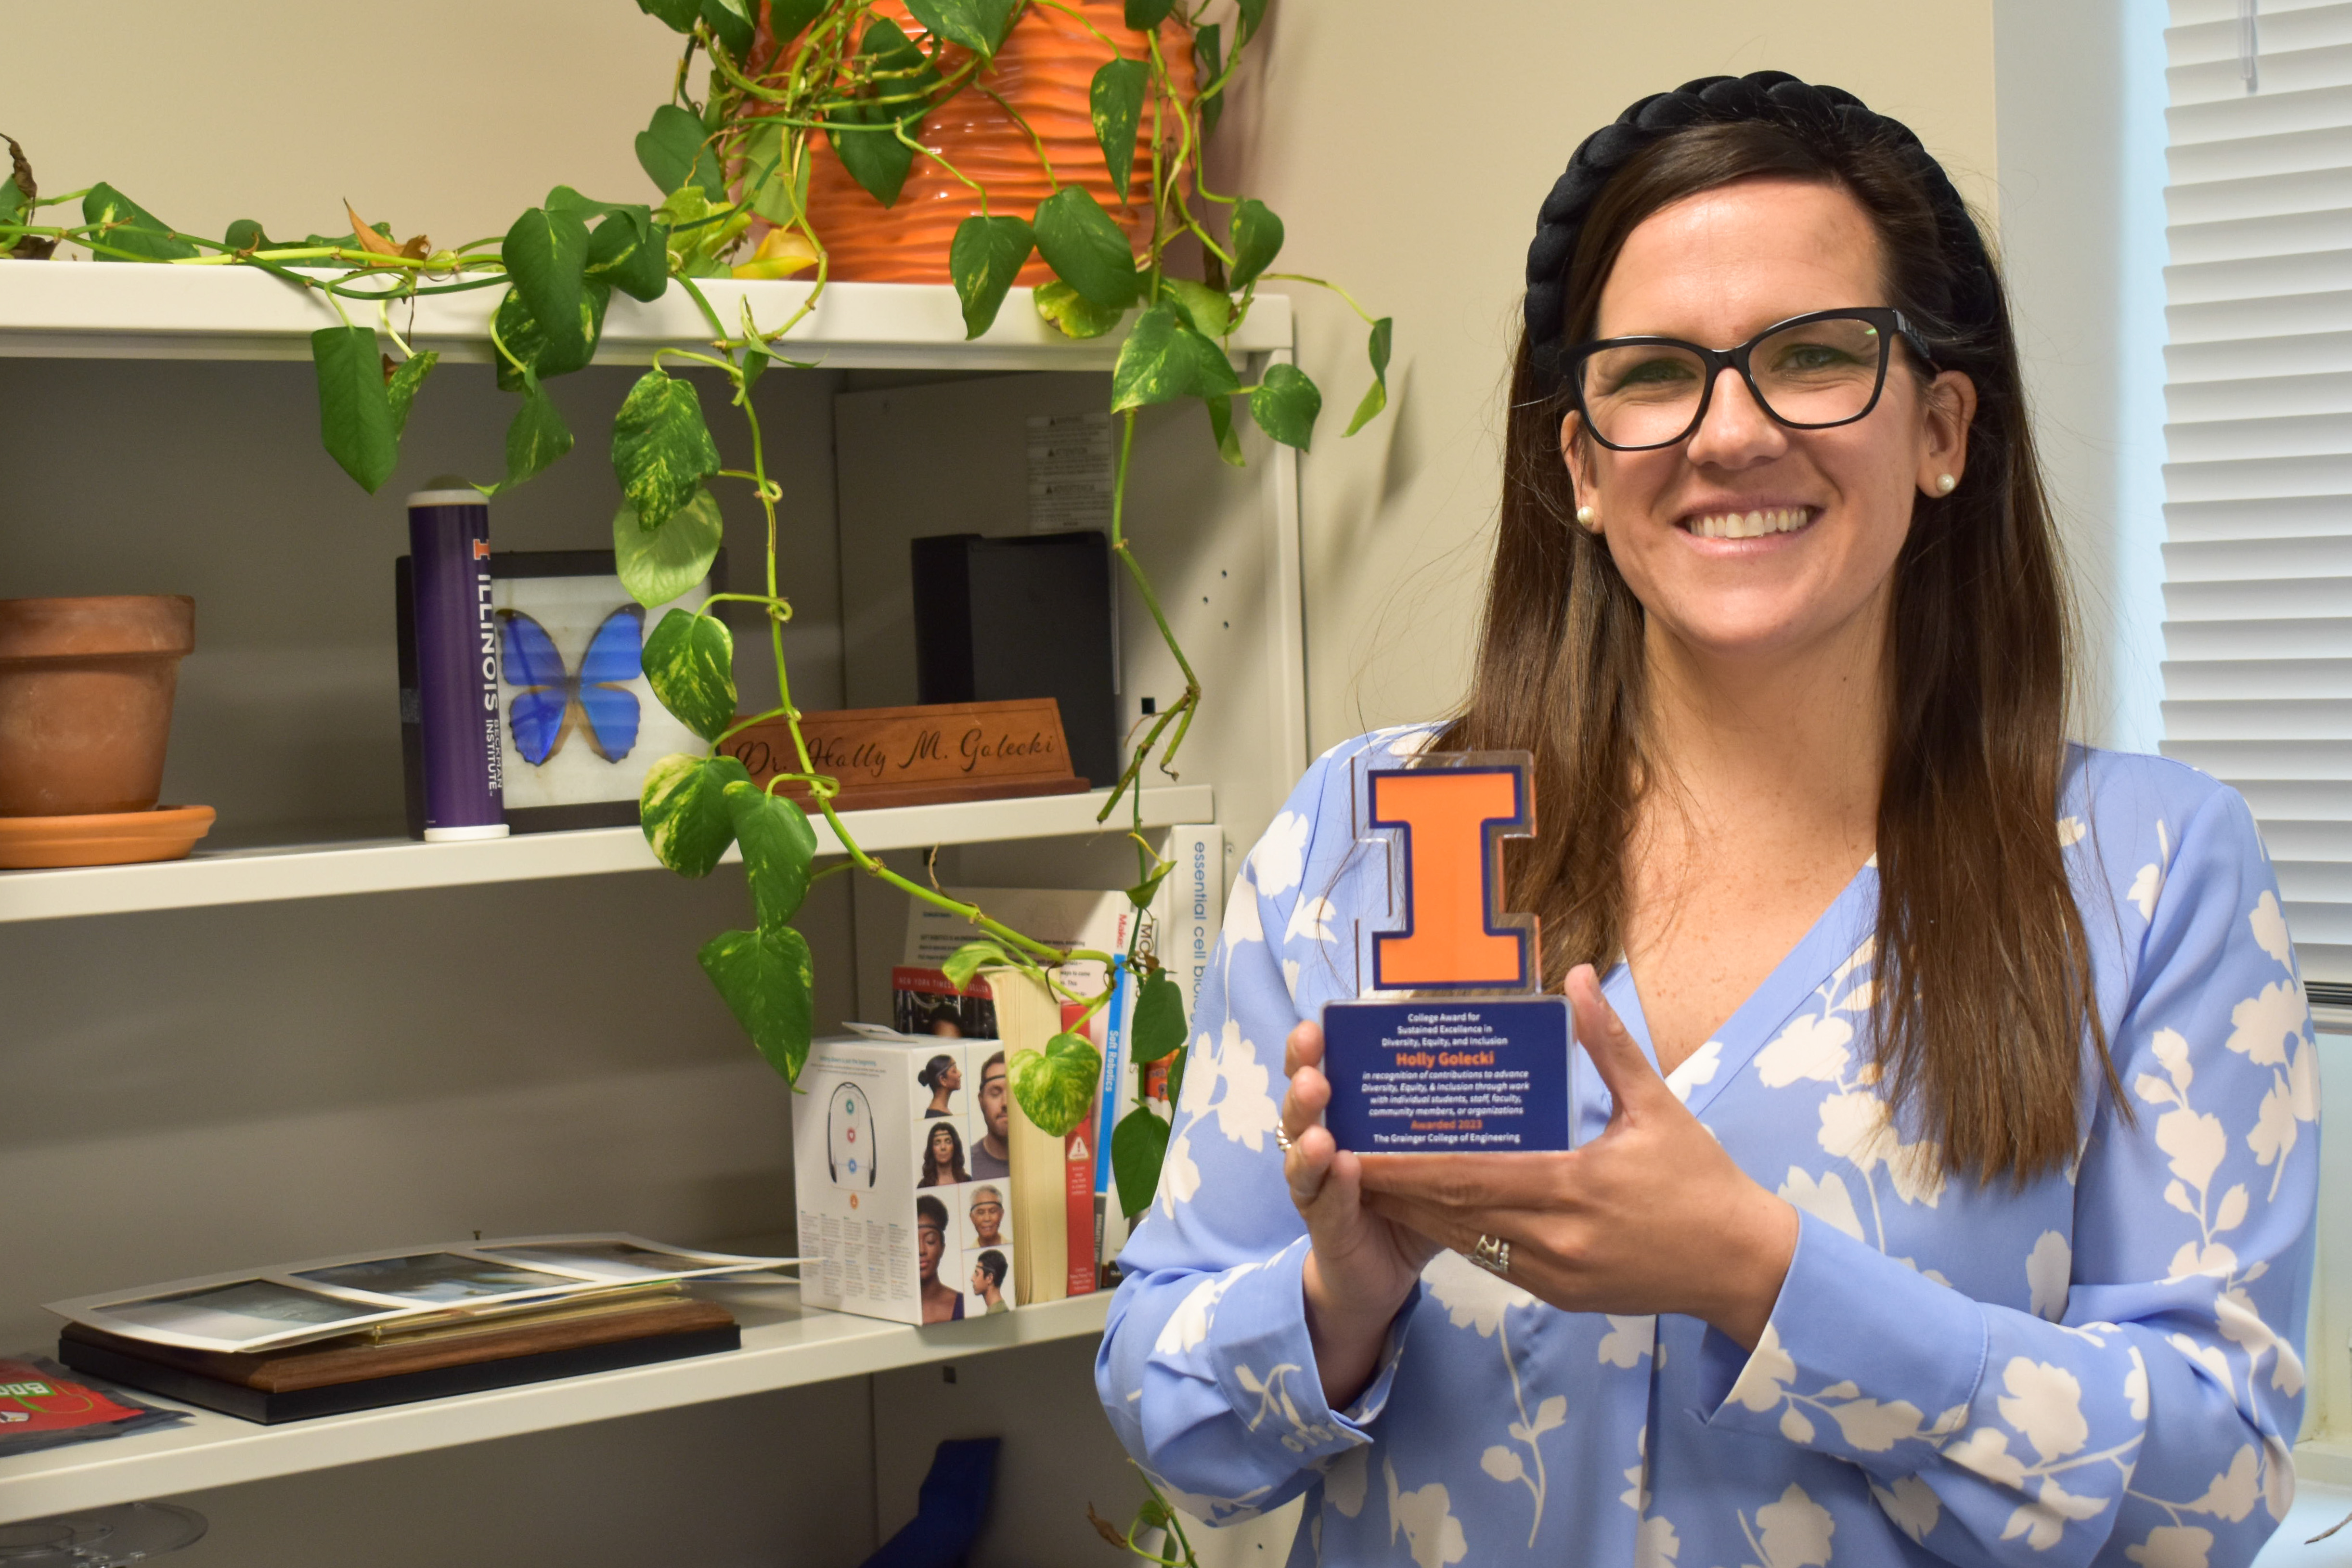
1946	484
1586	517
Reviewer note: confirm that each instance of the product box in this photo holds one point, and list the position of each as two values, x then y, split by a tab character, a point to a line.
902	1159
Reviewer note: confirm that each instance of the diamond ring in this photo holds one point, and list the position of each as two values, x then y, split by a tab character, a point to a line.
1282	1139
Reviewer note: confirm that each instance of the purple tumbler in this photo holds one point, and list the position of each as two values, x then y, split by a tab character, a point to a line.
456	665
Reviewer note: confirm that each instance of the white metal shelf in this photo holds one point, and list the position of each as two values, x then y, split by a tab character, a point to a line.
397	864
785	1345
66	310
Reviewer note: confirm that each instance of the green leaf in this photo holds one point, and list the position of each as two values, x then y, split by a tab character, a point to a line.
12	201
1376	396
1208	65
1117	98
630	252
787	19
964	965
1253	16
546	253
143	234
769	982
401	391
657	565
1145	14
987	254
1087	249
247	234
1057	1085
355	410
1152	1515
689	661
676	15
877	159
700	230
778	194
1141	894
683	812
671	151
1176	1075
1158	1027
1138	1146
1072	312
1209	312
1221	424
1257	240
733	23
778	844
520	334
1163	360
536	438
1284	405
662	451
977	25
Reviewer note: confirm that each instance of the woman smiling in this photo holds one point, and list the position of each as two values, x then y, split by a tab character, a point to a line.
1943	1192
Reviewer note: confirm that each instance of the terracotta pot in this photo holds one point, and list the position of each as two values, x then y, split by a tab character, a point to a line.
1045	71
85	690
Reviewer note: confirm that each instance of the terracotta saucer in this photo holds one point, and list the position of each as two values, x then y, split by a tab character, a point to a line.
108	838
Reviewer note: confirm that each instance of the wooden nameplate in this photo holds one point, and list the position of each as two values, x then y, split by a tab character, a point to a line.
334	1377
920	756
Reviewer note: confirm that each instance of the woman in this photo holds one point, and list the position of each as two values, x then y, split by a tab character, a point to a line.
1942	1193
942	1303
943	1157
942	1078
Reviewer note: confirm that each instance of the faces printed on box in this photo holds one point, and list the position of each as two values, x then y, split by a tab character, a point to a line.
937	1261
943	1156
989	1272
986	1222
943	1077
990	1151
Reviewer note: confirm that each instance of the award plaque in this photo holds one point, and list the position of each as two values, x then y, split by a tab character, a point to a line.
1452	1046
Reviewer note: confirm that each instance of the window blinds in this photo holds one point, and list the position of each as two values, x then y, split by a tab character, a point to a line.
2258	484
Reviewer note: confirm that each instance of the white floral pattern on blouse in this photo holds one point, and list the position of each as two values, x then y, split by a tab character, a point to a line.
2104	1366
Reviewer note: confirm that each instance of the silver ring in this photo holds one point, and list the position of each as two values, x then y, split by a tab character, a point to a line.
1283	1141
1492	1254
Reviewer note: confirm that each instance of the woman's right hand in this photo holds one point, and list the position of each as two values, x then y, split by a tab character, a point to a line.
1359	1267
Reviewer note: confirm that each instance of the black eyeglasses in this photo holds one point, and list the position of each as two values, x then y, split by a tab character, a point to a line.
1809	373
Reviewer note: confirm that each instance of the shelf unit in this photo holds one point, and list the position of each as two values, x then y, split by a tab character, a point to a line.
399	864
784	1346
135	310
1228	538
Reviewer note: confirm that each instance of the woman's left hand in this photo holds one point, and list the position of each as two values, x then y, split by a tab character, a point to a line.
1651	1217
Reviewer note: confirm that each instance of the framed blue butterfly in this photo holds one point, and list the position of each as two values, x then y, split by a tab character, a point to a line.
551	698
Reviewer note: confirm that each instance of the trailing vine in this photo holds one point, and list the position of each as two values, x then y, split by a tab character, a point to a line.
776	75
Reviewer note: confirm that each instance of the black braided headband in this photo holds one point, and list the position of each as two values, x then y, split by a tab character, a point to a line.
1817	115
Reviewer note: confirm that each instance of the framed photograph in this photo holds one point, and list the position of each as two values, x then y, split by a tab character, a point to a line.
325	1298
237	1315
580	723
438	1279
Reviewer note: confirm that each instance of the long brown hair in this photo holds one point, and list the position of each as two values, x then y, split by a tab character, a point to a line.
1983	999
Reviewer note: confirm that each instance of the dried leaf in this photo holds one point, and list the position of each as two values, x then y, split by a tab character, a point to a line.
369	239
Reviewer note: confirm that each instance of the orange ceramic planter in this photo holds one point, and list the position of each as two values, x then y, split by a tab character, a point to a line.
86	689
1045	71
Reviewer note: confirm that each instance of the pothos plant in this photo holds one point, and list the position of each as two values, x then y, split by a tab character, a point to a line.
777	75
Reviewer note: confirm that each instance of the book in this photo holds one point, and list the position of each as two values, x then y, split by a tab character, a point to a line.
1053	1201
456	665
1185	919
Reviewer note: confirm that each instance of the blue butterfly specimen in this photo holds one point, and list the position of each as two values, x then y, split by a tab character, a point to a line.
551	700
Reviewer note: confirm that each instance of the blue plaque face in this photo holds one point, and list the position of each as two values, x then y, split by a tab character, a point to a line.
1450	1067
1448	1075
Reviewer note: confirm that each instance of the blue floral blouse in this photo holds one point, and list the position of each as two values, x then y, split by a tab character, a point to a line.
2104	1366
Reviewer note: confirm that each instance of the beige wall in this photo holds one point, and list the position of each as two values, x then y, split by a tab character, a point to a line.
1407	159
